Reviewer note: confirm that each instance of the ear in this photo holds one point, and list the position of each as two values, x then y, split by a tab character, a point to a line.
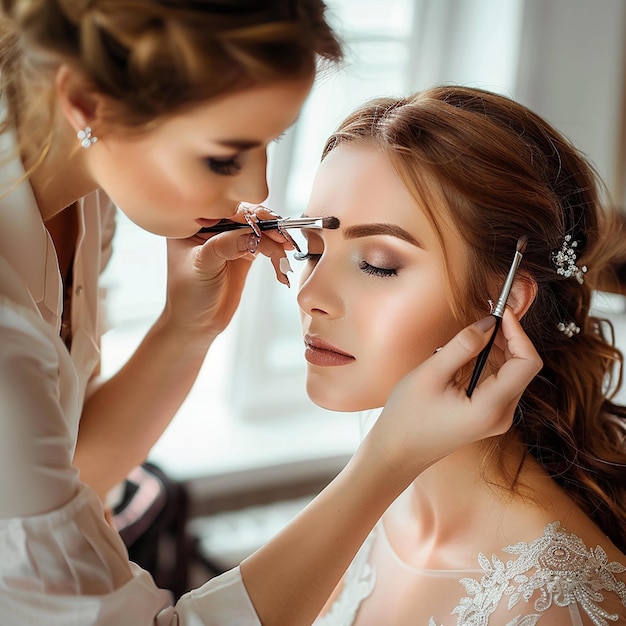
523	293
79	102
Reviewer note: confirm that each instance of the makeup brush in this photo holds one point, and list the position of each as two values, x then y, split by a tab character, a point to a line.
330	223
498	312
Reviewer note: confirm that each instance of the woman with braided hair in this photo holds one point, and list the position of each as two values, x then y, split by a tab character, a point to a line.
434	193
165	108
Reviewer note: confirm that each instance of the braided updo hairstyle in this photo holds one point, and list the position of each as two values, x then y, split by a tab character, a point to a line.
496	171
153	58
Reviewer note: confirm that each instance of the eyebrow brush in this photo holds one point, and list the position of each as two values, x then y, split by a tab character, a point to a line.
330	223
498	312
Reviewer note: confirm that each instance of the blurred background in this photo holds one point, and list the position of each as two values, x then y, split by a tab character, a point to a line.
248	447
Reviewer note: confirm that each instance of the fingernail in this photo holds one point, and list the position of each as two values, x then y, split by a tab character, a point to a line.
284	265
486	323
283	278
253	243
248	243
251	220
289	238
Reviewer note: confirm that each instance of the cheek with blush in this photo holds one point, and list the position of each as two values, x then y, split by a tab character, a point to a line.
411	348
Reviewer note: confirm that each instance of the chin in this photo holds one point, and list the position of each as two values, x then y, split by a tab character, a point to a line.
164	228
176	231
330	399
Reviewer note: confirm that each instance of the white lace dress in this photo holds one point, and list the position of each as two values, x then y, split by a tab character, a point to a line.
555	580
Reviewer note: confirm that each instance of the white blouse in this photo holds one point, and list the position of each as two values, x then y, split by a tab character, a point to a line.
60	562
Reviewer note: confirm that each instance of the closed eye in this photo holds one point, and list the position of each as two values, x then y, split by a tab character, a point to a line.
229	166
377	271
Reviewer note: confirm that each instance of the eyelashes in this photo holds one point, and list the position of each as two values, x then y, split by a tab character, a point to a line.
224	167
364	266
229	166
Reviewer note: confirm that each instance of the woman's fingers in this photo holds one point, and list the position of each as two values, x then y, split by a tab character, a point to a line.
227	246
459	351
505	387
521	360
263	213
428	415
496	397
232	245
260	212
491	407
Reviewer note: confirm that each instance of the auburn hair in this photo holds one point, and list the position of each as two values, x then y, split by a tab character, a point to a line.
496	171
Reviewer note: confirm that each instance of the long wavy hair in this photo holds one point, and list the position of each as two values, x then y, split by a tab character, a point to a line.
153	58
496	171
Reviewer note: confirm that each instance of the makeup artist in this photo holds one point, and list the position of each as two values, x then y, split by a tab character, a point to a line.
165	109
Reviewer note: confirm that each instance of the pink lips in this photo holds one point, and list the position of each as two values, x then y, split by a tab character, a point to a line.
319	352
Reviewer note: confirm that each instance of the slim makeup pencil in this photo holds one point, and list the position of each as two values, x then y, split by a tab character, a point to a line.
498	312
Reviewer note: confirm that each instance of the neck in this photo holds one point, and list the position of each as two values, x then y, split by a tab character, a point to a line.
424	527
61	177
461	486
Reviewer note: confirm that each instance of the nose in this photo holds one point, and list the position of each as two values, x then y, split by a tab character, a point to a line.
251	183
319	293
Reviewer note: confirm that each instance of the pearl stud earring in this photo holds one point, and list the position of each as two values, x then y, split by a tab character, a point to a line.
85	137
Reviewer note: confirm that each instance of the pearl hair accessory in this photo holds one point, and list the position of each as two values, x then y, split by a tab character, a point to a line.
85	137
565	261
569	330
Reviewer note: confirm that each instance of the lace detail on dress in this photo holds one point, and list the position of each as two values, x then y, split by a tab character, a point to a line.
555	571
358	584
566	573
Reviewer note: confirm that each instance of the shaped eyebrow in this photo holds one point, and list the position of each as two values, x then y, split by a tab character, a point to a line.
238	144
248	144
367	230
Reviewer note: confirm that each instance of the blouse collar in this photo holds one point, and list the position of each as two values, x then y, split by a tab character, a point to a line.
24	240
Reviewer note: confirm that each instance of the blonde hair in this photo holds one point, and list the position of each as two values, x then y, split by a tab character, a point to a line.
153	58
496	171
